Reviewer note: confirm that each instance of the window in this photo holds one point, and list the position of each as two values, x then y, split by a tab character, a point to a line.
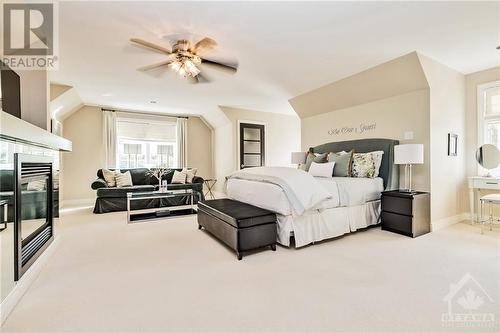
148	142
489	113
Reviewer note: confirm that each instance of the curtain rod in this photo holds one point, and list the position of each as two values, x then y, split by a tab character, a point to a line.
146	113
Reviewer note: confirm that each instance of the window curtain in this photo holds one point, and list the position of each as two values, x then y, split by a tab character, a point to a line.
109	135
182	141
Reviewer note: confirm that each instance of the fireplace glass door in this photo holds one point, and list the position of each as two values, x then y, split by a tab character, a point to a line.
33	209
35	201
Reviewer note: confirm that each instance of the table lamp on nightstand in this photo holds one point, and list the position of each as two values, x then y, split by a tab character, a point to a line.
298	158
408	154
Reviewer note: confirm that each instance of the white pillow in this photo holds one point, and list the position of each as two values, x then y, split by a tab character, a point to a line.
179	177
322	169
190	173
377	159
109	176
123	179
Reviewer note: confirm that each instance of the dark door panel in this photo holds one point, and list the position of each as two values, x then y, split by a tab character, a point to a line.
252	145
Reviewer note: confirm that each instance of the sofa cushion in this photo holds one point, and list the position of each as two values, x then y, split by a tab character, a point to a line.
140	176
121	192
123	179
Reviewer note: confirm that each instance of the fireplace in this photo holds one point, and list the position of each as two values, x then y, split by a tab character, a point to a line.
33	209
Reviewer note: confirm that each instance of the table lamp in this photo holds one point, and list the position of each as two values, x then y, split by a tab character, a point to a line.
298	158
408	154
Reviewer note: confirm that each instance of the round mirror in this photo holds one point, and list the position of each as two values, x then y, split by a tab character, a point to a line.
488	156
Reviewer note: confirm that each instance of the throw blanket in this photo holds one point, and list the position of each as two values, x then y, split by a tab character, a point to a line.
300	188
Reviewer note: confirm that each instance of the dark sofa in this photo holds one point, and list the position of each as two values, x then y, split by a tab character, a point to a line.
114	199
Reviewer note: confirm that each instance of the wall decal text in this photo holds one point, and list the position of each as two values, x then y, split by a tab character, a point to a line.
362	128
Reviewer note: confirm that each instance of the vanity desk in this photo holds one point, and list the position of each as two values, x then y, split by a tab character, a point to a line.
476	184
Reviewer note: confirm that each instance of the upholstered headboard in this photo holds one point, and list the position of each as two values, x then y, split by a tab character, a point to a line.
388	170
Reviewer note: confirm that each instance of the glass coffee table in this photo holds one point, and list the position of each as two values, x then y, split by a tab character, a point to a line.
140	215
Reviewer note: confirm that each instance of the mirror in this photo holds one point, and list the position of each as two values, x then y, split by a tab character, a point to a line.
488	156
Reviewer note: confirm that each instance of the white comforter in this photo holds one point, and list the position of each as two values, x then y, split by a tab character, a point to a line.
259	187
300	188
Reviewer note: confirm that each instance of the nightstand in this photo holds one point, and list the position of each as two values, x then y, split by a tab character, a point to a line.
406	213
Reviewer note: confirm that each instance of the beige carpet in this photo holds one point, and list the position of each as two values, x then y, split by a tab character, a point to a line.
168	276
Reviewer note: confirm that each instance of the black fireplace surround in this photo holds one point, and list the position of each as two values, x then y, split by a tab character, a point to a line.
32	234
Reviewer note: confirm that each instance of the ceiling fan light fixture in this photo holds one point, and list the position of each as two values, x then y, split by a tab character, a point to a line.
185	67
184	60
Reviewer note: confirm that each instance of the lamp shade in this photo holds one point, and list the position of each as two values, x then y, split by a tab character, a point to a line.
298	157
409	154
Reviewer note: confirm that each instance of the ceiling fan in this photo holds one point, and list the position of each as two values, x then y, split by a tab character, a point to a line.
185	58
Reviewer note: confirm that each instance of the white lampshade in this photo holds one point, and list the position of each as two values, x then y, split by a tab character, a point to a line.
298	157
409	154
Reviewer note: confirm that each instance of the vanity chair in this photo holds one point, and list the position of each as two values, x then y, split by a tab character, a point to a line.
490	199
488	156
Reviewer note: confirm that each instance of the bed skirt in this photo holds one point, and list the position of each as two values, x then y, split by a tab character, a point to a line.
315	226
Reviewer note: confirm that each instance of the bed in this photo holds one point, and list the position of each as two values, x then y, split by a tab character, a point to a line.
312	209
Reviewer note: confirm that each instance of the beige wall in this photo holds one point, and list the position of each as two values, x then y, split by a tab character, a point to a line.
200	147
393	117
430	113
395	77
282	137
35	97
282	134
57	90
84	129
447	105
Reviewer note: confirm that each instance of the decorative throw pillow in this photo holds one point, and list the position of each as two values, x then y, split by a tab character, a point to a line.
314	157
123	179
342	163
179	177
363	165
322	169
190	173
109	176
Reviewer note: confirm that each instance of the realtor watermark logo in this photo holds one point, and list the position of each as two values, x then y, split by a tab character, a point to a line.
469	305
30	35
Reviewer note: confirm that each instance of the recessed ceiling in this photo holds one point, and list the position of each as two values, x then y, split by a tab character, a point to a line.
283	49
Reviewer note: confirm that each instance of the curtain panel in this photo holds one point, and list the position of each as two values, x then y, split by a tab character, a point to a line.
182	141
109	135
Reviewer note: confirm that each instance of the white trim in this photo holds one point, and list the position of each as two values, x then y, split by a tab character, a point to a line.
443	223
25	282
238	139
481	88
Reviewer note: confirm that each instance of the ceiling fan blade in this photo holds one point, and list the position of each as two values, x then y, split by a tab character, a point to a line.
226	67
200	78
206	44
150	45
203	78
153	66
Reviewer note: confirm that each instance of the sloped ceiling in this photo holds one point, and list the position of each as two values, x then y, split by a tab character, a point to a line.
396	77
284	49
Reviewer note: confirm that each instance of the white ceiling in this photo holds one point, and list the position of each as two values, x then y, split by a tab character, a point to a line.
284	49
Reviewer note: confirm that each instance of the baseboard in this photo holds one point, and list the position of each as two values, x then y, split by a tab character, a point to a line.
21	286
443	223
77	202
